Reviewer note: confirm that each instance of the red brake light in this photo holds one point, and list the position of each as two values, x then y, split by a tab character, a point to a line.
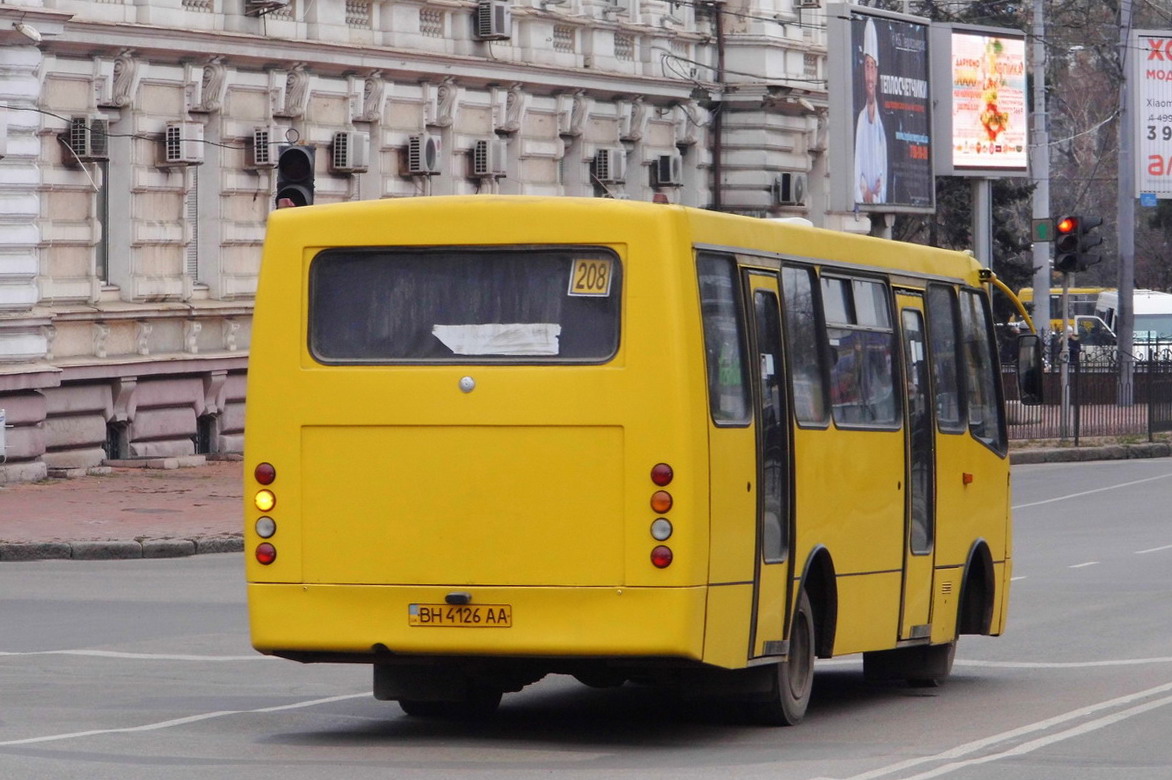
661	474
266	553
661	557
265	473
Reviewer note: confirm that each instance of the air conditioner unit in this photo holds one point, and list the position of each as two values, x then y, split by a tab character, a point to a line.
789	189
610	165
667	170
262	7
183	143
423	152
87	139
258	148
494	20
350	152
808	3
488	158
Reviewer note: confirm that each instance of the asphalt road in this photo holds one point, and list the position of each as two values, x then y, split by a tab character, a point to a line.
142	669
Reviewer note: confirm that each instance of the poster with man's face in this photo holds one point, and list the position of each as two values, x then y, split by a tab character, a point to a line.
892	118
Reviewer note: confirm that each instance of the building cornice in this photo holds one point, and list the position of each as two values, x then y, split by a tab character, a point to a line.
328	57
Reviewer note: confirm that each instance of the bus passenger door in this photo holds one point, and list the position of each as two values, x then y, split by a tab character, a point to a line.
771	567
920	523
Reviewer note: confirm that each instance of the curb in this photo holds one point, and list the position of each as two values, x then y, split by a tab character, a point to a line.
1080	454
119	550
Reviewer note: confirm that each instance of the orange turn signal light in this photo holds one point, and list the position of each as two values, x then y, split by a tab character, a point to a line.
265	500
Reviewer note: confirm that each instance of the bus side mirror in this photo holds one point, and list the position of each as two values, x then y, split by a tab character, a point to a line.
1029	369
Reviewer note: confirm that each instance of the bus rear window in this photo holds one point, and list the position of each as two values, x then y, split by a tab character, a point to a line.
464	305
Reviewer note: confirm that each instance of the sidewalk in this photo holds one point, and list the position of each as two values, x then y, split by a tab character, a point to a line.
172	508
159	509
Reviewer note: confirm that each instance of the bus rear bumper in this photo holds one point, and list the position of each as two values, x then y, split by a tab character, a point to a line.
372	623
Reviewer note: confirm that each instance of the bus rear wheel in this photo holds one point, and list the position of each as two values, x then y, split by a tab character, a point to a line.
793	681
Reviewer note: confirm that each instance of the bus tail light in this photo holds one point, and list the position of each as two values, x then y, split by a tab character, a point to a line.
266	553
661	557
661	474
264	473
661	529
265	527
661	501
265	500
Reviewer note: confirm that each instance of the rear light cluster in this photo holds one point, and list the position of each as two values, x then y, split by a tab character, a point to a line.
265	500
661	504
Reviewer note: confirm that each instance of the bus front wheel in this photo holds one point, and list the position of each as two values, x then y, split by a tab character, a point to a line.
793	680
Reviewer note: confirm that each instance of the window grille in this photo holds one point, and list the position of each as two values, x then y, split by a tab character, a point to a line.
563	38
431	22
358	14
624	46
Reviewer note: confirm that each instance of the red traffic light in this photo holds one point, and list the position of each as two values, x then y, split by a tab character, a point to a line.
1066	225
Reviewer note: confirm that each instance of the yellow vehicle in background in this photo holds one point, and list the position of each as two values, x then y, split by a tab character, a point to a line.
491	438
1082	304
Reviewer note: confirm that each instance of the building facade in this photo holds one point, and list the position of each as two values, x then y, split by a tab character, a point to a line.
140	137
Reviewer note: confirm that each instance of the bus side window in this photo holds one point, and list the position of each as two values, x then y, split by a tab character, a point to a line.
985	420
942	350
861	339
728	389
807	366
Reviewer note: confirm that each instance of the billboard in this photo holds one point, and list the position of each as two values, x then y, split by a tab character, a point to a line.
982	123
880	111
1151	107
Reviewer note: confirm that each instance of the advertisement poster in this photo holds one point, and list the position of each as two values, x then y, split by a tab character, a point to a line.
1152	103
989	122
892	116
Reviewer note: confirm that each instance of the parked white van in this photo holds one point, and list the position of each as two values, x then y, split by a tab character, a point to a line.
1153	319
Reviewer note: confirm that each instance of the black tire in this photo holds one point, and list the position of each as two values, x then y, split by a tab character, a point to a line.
794	678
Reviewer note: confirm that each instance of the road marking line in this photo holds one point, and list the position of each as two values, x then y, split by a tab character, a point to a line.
145	656
1154	549
1015	579
178	721
1041	742
1091	492
1084	565
972	747
1064	664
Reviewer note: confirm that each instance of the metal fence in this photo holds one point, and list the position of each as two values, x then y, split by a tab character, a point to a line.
1101	398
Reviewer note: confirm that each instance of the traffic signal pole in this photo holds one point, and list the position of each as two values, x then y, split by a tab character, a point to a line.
1040	174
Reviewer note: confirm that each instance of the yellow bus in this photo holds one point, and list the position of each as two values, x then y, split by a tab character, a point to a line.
1082	303
491	438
